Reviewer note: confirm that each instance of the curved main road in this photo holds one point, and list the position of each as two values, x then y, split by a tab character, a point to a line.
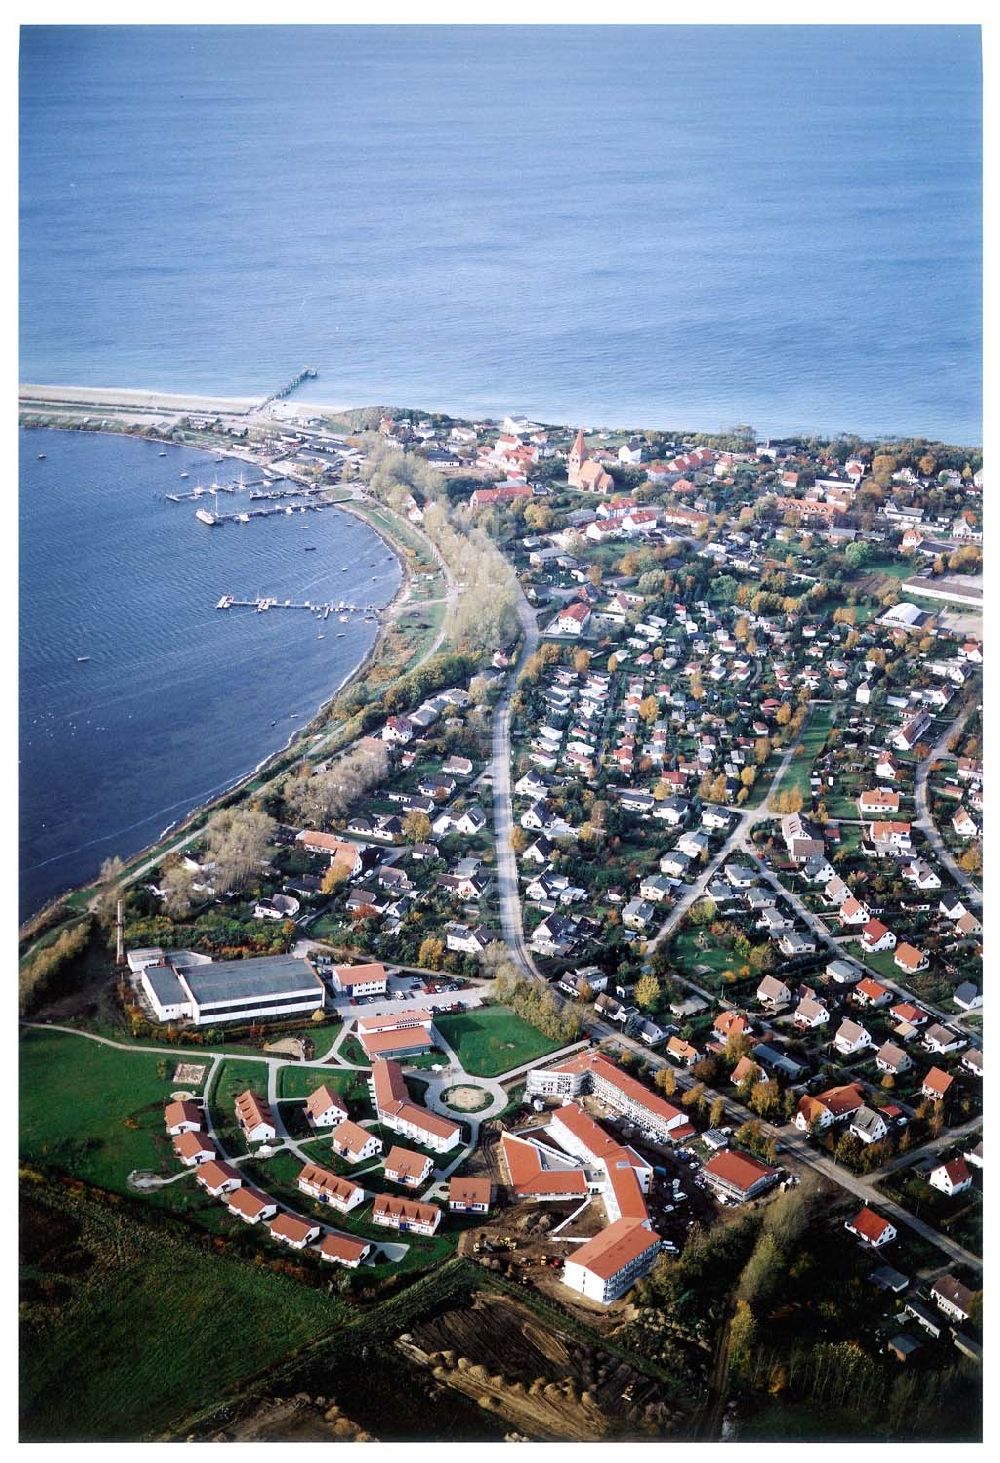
503	816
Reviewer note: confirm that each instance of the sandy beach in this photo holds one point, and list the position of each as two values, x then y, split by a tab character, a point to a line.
115	398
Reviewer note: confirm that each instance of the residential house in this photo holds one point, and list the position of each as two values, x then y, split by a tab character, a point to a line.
255	1118
193	1148
851	1038
682	1051
870	1228
870	993
835	1105
353	1143
810	1013
951	1178
296	1233
875	936
405	1167
217	1178
773	994
250	1205
467	1195
407	1215
939	1039
183	1117
328	1188
892	1059
936	1084
953	1298
868	1125
909	959
341	1249
324	1109
736	1177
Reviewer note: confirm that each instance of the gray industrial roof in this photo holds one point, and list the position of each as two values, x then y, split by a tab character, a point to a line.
166	987
235	980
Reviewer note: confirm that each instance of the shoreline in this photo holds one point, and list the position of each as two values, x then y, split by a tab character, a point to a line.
42	398
308	731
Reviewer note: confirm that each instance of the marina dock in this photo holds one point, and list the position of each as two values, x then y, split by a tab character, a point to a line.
343	609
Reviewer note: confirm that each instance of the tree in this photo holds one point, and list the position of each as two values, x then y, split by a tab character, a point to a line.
177	885
717	1112
518	839
742	1337
106	904
649	709
431	952
647	992
337	874
581	661
666	1081
417	826
237	841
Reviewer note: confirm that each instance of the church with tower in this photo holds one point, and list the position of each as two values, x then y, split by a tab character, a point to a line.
583	472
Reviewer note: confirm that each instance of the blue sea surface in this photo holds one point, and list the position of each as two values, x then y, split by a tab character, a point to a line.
672	226
173	700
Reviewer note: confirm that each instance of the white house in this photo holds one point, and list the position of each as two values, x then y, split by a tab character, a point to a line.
851	1037
951	1178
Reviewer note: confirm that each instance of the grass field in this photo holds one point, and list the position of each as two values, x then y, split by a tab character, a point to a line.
492	1040
799	770
142	1330
91	1110
234	1077
301	1081
689	958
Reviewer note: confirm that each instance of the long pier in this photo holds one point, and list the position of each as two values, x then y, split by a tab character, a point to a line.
244	485
308	373
249	513
322	610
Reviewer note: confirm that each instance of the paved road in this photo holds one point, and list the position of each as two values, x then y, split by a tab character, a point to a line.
923	820
734	842
864	1189
835	946
503	817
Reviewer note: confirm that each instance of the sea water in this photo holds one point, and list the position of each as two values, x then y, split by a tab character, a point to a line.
139	699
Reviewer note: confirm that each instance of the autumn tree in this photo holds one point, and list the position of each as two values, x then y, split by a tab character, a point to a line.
666	1081
237	840
431	952
647	992
337	874
417	826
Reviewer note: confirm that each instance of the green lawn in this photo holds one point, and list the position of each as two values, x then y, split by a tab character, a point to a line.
234	1077
91	1110
492	1039
799	770
139	1330
299	1082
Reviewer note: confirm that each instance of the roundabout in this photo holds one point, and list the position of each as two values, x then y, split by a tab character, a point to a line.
466	1097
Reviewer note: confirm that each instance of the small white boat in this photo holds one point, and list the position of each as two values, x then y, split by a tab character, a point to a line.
185	474
163	454
243	517
81	659
41	457
203	516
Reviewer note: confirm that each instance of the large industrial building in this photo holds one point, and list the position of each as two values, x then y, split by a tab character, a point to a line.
226	990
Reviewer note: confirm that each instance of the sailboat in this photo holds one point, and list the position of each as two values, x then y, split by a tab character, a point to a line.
203	515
